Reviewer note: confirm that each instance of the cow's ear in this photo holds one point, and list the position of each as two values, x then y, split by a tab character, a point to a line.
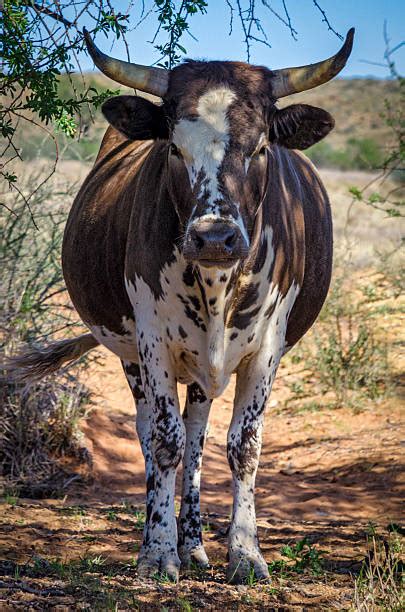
299	126
136	118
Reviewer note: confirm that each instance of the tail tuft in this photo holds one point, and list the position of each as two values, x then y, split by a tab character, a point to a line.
35	363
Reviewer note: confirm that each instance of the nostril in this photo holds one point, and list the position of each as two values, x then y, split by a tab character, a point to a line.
198	241
230	241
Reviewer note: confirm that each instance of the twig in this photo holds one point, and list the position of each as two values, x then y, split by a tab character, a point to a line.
20	586
326	20
231	17
49	13
287	22
4	205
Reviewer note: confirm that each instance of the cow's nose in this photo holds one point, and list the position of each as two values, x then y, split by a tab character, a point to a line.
219	237
214	243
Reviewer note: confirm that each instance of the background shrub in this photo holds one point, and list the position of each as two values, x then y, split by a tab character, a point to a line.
39	424
345	358
357	154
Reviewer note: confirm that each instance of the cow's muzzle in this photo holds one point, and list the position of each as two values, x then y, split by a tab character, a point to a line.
214	244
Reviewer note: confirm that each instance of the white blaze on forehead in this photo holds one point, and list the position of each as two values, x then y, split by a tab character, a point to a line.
203	141
213	105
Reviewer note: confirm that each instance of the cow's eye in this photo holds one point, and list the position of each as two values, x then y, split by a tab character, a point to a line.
174	150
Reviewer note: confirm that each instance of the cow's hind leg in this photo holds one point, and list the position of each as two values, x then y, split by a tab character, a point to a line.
144	431
190	546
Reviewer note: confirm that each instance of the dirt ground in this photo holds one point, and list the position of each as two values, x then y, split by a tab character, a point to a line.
326	476
330	475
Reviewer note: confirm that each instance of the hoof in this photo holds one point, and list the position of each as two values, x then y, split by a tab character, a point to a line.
159	568
193	557
247	569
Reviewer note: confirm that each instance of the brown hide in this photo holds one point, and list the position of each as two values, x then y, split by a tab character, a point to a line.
318	251
123	220
94	245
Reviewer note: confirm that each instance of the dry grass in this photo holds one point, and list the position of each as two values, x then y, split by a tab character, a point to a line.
39	429
355	104
380	584
363	236
352	355
38	422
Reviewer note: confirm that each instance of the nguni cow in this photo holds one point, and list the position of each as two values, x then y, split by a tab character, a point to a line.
200	245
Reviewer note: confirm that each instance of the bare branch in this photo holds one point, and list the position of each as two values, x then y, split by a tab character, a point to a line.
49	13
287	22
231	17
326	20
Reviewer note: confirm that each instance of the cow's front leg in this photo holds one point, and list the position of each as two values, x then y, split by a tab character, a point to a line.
158	554
195	416
253	386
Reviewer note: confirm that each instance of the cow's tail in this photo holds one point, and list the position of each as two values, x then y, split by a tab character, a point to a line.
35	363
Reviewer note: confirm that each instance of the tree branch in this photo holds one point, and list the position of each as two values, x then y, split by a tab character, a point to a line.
326	20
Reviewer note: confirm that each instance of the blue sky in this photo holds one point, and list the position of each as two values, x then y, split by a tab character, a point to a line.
314	42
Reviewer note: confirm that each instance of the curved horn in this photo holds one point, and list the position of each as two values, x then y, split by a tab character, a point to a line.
146	78
292	80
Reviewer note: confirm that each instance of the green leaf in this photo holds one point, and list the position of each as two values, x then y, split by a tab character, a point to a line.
392	212
375	197
356	193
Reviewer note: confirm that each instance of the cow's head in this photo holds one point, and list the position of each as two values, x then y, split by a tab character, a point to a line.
220	120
